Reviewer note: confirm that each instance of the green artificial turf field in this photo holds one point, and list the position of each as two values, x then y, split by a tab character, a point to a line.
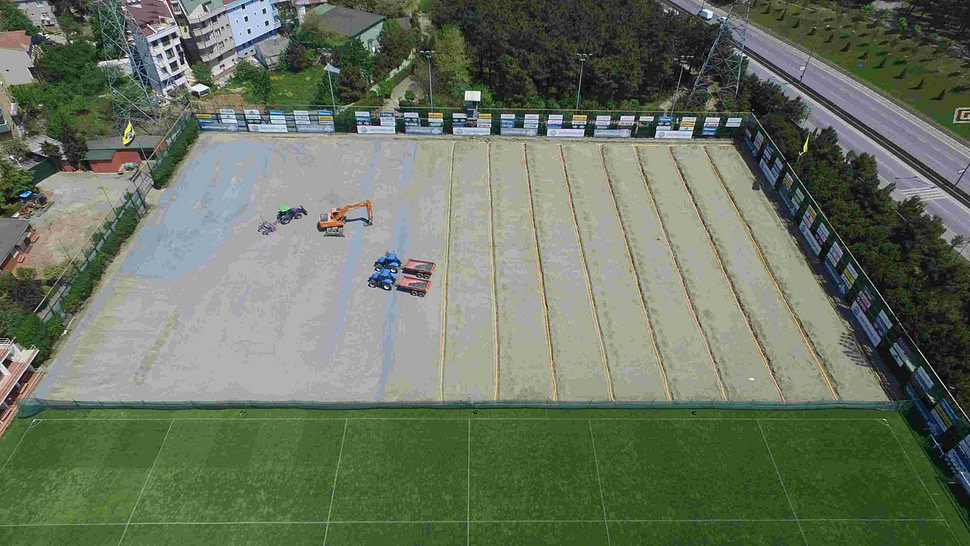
450	477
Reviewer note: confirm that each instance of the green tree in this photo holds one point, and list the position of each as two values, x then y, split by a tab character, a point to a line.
350	84
262	85
394	45
450	59
354	52
13	180
75	147
296	57
11	18
315	34
52	152
15	148
202	73
69	25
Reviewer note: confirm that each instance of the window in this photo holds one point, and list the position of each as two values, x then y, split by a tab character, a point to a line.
249	31
264	11
266	23
246	18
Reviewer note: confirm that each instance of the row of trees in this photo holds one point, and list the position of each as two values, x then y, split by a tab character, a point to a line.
920	274
527	49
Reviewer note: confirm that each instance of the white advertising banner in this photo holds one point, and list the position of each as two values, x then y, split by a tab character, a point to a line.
375	130
458	130
565	133
733	122
682	135
267	128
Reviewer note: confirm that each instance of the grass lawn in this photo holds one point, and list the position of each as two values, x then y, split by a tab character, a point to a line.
867	50
606	477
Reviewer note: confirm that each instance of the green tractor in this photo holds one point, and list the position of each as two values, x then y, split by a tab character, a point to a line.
287	213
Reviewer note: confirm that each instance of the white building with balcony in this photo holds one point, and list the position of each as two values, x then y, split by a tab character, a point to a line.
157	39
204	25
252	21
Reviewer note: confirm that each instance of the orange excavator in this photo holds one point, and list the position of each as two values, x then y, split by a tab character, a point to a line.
332	225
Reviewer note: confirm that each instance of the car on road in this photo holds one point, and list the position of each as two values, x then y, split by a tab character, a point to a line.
705	14
722	19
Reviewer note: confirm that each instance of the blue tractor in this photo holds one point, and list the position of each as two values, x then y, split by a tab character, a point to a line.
384	279
388	261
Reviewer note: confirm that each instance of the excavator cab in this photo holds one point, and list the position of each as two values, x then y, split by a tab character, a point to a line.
332	225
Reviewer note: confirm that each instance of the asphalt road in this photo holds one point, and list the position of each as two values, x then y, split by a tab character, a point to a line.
933	147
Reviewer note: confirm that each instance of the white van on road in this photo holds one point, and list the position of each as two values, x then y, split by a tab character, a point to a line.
705	14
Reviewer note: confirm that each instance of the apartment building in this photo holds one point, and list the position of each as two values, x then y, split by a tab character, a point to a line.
158	45
204	28
252	21
40	14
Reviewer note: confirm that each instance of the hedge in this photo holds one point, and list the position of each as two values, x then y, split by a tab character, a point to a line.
163	170
85	281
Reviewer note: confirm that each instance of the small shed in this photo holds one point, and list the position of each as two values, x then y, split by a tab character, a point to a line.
109	155
199	90
15	239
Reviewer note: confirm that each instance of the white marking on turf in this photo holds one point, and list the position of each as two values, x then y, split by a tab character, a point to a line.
596	464
920	478
496	521
336	473
15	448
780	479
147	478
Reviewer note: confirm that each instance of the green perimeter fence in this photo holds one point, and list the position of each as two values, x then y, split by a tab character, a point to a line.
473	122
946	423
76	282
32	406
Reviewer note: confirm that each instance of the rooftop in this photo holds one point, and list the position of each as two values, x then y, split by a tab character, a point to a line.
348	22
11	232
15	66
151	15
114	143
15	39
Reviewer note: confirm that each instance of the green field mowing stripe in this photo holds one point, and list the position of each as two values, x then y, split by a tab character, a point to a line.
829	466
413	477
403	470
243	471
533	470
687	470
90	472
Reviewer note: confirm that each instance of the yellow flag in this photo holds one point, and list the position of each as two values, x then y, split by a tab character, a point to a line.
129	135
805	147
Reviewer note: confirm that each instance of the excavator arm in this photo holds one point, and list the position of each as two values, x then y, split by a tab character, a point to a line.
333	223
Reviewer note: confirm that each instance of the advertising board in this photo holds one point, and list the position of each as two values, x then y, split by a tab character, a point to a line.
565	133
458	130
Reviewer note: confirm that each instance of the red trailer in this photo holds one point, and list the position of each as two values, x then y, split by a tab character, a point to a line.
419	268
413	286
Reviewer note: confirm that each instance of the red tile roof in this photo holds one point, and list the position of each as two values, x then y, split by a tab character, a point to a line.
15	39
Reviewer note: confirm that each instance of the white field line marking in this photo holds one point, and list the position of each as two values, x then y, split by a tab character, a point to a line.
147	479
336	473
458	522
468	496
242	420
782	481
920	478
599	481
16	447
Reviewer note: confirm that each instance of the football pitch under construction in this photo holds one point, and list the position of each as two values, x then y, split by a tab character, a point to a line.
582	271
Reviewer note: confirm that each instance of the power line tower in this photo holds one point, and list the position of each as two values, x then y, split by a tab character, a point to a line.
131	97
720	76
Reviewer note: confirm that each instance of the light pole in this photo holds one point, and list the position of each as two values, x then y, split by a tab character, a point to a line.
962	172
583	57
428	53
332	70
677	92
810	55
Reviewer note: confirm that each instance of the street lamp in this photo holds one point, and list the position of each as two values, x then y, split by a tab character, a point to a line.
583	57
331	69
428	53
811	54
962	172
677	92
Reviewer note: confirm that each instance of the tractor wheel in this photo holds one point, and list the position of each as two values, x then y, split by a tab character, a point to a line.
386	286
377	266
372	284
285	219
392	270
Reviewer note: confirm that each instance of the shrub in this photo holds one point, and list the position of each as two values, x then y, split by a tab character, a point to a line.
85	282
164	169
